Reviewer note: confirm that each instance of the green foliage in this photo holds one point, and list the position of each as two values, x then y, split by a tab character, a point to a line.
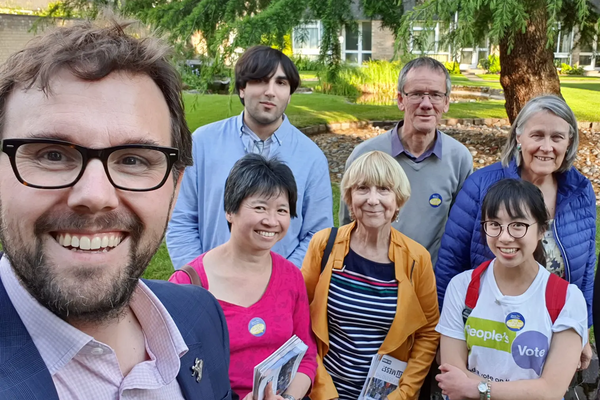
60	9
191	78
577	70
227	25
566	69
344	82
452	67
306	64
375	77
496	20
389	12
491	64
206	76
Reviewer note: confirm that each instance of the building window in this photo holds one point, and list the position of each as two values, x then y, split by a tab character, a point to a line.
563	44
471	56
358	42
306	39
588	56
427	40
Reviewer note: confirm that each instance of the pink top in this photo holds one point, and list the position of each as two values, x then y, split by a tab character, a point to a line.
257	331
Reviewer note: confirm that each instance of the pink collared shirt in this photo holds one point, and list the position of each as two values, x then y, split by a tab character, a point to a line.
83	368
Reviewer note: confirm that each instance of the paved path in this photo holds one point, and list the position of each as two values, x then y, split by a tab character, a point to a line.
472	77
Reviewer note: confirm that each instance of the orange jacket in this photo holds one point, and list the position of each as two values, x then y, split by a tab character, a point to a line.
412	337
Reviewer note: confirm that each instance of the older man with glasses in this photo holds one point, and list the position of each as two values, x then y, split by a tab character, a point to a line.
94	144
436	164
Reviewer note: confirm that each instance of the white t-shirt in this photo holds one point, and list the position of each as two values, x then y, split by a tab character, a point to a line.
508	337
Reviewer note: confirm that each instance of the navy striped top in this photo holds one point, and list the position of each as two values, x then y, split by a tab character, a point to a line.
360	310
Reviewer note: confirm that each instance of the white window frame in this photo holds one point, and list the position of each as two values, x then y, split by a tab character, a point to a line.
303	51
360	52
564	54
437	50
594	54
475	57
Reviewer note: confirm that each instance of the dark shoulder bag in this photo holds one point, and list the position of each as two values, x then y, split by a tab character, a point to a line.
327	251
192	274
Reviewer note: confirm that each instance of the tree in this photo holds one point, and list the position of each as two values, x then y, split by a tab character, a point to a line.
524	30
226	25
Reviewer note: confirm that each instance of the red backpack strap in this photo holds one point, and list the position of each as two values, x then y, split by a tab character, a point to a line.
473	289
556	296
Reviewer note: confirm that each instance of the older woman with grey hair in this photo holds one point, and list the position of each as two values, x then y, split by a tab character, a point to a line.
541	149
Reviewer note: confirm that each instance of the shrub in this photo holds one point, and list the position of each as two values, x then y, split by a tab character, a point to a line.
376	77
491	64
576	71
452	67
306	64
341	81
207	76
191	78
566	69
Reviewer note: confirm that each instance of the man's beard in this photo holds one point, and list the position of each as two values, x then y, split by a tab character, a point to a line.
265	119
85	295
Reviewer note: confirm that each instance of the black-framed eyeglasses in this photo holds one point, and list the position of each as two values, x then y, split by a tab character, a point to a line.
515	229
434	97
57	164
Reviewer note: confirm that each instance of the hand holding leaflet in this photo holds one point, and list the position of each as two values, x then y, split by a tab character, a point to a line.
279	369
383	377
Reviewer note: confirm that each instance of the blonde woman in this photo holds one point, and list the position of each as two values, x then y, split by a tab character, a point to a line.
376	293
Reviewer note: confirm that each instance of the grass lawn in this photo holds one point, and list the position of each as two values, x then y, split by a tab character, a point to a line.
463	80
582	93
312	109
563	78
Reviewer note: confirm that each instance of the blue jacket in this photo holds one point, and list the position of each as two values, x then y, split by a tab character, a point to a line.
24	376
463	246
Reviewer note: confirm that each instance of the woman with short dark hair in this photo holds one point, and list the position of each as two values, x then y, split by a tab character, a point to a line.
262	294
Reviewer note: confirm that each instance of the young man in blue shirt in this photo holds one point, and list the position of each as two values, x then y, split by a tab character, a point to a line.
265	79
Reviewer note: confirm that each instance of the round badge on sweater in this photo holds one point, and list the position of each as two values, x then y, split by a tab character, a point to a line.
435	200
257	327
515	321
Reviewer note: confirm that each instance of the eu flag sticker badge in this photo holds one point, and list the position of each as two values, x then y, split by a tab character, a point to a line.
435	200
257	327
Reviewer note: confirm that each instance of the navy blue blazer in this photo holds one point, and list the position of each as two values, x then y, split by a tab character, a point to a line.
24	376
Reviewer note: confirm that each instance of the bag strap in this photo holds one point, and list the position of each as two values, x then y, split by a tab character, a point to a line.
473	289
556	293
556	296
192	274
327	251
475	284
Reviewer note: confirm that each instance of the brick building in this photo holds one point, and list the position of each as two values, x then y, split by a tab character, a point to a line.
17	18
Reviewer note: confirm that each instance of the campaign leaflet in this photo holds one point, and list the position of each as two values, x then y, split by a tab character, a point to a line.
279	368
383	377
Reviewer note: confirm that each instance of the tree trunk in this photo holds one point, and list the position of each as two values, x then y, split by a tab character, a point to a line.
528	70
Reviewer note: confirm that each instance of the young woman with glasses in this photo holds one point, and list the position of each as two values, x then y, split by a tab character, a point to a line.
510	329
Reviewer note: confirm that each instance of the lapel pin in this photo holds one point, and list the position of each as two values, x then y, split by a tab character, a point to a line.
197	369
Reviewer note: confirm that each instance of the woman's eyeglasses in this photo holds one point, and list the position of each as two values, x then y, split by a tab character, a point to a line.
515	229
